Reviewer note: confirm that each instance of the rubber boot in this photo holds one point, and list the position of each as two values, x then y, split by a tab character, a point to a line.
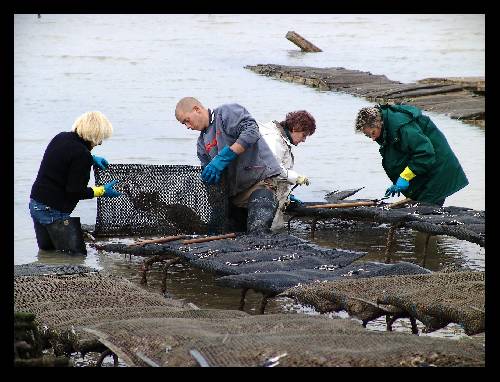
262	206
42	237
67	236
237	219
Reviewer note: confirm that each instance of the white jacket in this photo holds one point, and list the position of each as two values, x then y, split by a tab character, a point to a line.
282	151
281	148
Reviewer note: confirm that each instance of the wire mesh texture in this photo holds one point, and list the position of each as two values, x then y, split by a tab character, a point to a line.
435	299
146	329
159	199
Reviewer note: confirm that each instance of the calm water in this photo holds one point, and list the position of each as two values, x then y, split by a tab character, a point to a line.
134	68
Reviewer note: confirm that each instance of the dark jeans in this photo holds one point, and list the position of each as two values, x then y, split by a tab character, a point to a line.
42	216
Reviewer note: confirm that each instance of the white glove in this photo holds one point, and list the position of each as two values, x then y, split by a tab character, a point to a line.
302	180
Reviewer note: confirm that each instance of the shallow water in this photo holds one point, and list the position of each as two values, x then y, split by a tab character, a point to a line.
134	68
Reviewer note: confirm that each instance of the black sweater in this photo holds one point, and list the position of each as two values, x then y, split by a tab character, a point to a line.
64	173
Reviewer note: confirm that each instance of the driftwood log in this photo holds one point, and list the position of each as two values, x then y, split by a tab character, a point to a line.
301	42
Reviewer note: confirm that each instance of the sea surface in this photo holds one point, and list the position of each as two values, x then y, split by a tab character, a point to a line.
134	69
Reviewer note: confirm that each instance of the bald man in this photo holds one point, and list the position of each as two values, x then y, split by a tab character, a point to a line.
230	142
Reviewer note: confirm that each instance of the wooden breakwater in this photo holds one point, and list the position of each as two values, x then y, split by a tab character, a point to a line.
458	97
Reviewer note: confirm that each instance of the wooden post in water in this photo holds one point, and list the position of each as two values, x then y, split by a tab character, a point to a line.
301	42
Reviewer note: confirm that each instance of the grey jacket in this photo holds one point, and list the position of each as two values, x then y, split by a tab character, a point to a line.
232	123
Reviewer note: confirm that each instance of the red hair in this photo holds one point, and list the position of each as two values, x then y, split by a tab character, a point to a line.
300	121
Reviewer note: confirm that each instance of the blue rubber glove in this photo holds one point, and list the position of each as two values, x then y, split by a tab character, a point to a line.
294	199
401	185
212	172
109	191
100	162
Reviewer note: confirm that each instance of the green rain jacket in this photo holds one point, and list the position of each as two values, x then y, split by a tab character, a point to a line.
411	139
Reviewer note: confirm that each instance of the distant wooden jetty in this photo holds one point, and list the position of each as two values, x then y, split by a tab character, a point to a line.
458	97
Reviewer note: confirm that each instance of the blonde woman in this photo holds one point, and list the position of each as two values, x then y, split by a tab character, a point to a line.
62	181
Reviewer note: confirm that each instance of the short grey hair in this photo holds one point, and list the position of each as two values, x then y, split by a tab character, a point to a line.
368	117
185	105
93	127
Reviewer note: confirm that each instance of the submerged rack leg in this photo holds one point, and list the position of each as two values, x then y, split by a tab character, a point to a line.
146	264
390	242
313	227
104	354
115	360
164	279
414	327
427	237
167	265
242	299
263	303
391	319
144	273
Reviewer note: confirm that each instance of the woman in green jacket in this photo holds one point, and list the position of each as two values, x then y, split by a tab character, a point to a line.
415	154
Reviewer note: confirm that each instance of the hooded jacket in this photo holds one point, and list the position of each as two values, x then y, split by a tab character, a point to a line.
411	139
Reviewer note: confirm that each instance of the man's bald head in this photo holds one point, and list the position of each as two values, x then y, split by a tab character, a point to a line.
191	113
186	104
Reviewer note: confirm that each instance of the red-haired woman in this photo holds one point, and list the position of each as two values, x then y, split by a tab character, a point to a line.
280	136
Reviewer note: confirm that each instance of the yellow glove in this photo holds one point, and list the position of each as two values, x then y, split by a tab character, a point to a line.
98	191
407	174
302	180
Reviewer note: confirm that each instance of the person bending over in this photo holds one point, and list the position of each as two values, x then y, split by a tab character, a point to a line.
280	136
415	154
230	142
